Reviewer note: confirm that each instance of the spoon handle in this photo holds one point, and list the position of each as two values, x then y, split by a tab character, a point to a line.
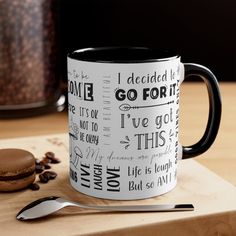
146	208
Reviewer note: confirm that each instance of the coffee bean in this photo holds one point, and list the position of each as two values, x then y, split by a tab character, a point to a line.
42	165
39	168
46	174
55	160
47	166
34	187
45	161
52	158
37	161
50	155
50	174
43	178
53	175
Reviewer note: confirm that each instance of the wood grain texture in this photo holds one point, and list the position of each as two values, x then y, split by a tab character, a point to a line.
213	197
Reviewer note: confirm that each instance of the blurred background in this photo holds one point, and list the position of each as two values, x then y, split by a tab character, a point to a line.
37	35
200	31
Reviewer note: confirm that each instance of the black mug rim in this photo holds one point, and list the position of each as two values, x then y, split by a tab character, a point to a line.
122	55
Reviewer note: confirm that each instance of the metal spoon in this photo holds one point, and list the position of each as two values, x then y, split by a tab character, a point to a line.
48	205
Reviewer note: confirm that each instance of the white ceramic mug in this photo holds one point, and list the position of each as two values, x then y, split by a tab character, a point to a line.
124	120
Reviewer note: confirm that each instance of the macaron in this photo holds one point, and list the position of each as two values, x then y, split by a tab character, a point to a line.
17	169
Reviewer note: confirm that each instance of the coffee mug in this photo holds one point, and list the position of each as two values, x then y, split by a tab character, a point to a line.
123	107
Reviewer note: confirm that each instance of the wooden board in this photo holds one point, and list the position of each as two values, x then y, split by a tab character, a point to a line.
213	197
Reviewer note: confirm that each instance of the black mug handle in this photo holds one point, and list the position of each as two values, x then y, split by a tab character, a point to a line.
214	116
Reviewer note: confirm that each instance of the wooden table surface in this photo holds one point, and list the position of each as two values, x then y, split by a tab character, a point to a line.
194	111
220	159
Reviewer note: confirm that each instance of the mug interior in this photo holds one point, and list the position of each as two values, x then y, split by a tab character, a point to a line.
122	55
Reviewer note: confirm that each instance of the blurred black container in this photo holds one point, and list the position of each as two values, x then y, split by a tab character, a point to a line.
29	58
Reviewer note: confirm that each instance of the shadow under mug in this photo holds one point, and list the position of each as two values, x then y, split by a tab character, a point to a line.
124	120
